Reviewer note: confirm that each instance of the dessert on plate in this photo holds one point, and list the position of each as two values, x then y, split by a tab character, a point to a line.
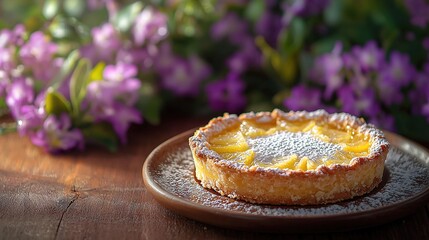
293	158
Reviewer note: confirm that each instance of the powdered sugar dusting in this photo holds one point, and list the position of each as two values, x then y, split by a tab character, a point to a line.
284	143
406	176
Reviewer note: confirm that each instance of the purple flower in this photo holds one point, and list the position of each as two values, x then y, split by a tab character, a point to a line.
121	117
327	70
399	71
5	38
140	57
369	57
38	55
418	10
30	118
227	94
303	98
106	42
269	26
57	134
303	8
119	85
246	57
37	51
112	99
230	27
389	93
184	76
149	27
18	94
119	72
106	37
12	37
358	104
7	59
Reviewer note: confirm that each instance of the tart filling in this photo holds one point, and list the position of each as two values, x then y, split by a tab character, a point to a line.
289	158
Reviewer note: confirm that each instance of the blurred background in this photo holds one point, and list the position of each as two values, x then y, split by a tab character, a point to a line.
74	72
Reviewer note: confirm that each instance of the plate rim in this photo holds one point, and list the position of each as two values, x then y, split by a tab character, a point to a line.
183	206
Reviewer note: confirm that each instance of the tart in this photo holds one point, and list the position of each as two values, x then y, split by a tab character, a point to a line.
293	158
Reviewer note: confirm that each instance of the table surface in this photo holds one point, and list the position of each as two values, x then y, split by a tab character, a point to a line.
97	194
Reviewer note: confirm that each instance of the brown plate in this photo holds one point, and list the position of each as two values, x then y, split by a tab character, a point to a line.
168	174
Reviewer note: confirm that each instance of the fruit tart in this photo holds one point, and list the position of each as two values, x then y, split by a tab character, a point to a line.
291	158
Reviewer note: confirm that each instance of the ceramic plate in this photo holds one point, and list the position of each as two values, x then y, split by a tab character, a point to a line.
168	174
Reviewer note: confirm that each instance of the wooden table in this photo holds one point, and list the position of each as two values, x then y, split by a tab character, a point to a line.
96	194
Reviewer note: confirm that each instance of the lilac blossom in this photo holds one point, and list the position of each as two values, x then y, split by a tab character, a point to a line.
358	104
269	26
231	28
184	76
150	27
57	134
418	10
38	55
327	70
7	59
37	51
399	71
389	93
303	98
370	57
227	94
30	118
302	8
5	37
106	42
112	99
18	94
140	57
247	56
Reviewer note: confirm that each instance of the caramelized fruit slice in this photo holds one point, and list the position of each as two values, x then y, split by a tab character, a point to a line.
287	162
237	147
252	131
228	138
245	157
296	126
329	134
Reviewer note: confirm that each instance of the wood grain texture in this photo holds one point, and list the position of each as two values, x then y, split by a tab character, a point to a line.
96	194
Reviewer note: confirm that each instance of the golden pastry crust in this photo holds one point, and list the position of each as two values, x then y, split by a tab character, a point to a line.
256	184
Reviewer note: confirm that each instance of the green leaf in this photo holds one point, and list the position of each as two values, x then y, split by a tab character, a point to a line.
101	134
78	83
333	13
286	68
66	68
150	107
292	38
56	103
60	29
4	110
50	8
74	8
254	10
97	72
124	19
